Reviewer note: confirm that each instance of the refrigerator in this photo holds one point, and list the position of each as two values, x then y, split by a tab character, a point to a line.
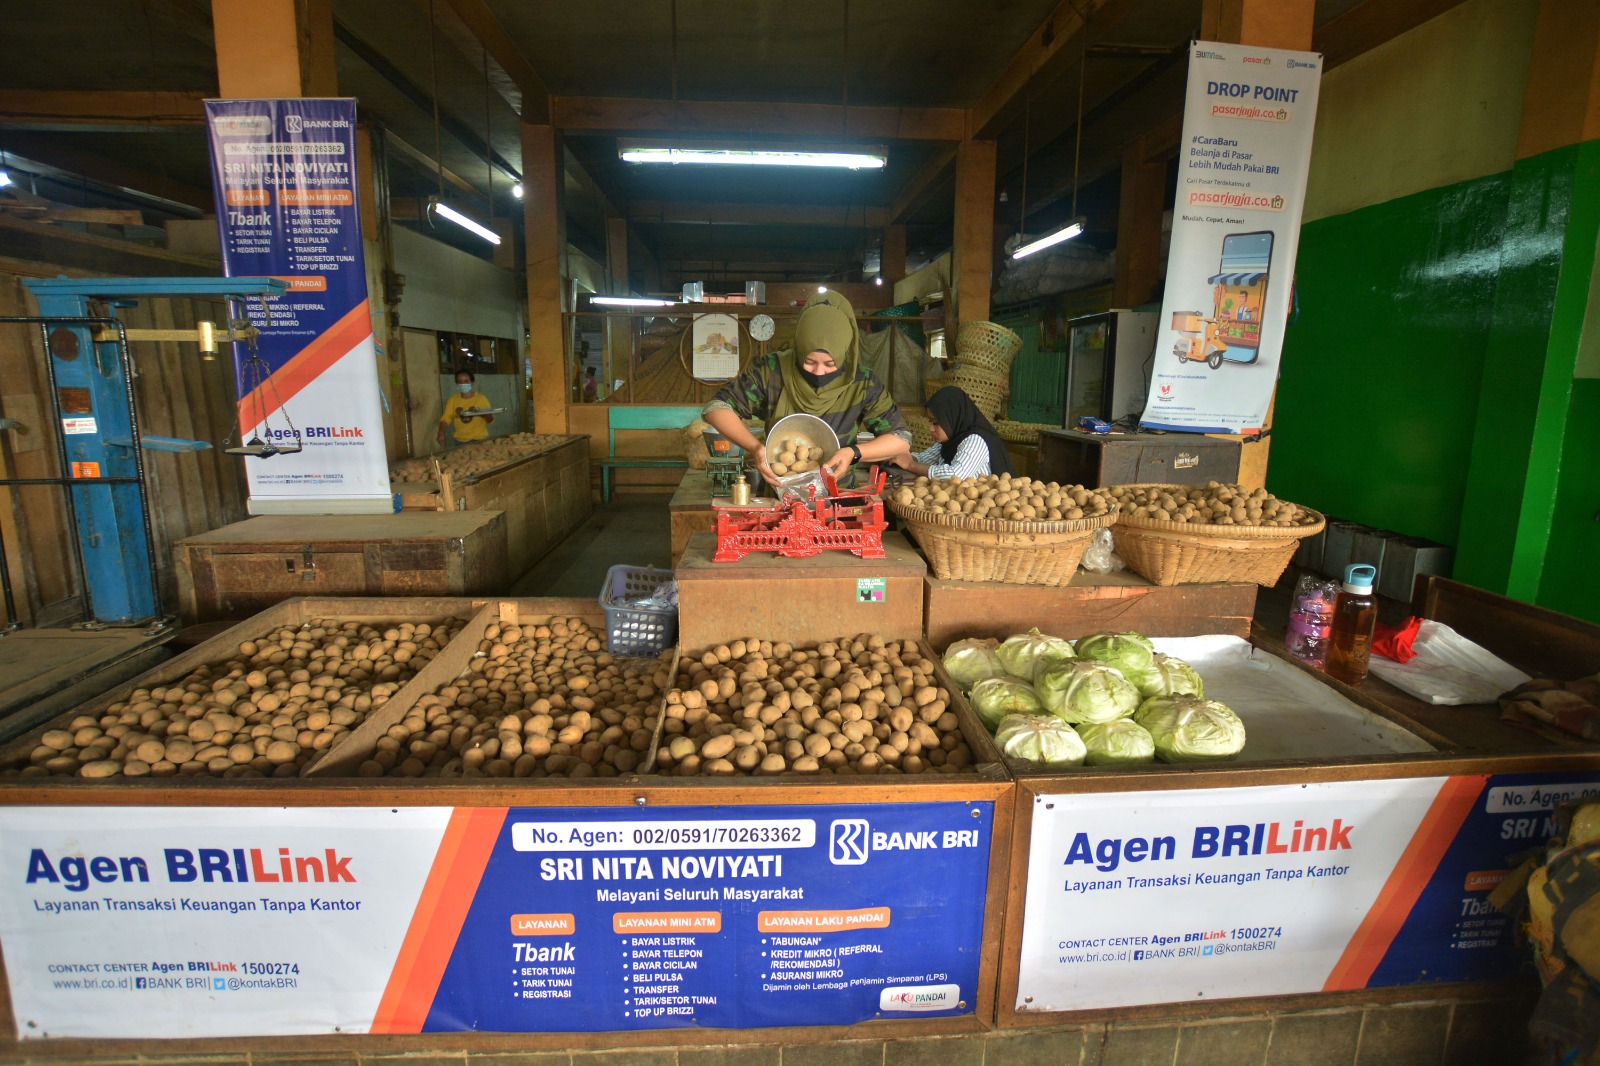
1109	359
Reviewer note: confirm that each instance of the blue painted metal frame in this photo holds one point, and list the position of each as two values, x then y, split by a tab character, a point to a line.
109	510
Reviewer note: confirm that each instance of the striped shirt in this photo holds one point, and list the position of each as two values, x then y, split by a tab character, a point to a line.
972	459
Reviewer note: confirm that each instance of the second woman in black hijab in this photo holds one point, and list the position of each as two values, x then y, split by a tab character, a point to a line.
966	444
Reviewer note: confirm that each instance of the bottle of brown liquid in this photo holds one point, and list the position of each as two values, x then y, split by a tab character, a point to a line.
1355	614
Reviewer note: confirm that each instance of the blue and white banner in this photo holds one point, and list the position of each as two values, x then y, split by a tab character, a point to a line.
284	174
1246	148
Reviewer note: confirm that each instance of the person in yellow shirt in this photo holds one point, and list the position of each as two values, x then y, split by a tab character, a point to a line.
458	412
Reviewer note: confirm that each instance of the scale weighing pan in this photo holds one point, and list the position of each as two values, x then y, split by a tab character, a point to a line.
812	428
478	411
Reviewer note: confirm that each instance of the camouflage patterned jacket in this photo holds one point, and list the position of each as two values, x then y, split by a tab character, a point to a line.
758	394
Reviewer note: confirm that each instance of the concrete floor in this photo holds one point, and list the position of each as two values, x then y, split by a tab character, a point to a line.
630	529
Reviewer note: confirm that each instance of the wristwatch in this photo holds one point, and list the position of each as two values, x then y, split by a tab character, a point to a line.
856	448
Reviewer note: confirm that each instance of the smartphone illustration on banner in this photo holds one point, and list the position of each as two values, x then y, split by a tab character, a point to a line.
1231	332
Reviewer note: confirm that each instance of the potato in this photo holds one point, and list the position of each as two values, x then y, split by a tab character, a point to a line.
1211	504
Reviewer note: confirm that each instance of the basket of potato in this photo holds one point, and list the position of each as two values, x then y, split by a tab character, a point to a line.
1002	528
270	711
1188	534
855	706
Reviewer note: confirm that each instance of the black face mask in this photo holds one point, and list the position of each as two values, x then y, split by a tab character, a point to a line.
819	381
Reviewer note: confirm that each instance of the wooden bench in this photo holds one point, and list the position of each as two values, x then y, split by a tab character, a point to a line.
640	418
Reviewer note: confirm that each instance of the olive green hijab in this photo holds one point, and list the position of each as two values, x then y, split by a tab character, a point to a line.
827	324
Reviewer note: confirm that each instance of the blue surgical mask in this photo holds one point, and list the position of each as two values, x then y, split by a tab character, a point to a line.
464	389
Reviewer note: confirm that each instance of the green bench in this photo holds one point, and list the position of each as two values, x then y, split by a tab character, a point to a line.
640	418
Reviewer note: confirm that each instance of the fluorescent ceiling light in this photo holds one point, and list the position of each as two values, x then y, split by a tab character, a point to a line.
630	301
756	157
5	178
444	210
1066	233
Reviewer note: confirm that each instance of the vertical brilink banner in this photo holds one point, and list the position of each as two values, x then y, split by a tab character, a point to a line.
284	172
1246	147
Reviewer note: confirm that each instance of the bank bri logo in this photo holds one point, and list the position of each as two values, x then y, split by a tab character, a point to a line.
847	842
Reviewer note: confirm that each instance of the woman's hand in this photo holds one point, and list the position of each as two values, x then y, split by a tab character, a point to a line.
759	453
839	463
903	460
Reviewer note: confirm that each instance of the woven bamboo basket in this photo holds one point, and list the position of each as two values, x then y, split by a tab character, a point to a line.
963	548
988	392
987	346
1177	553
1020	432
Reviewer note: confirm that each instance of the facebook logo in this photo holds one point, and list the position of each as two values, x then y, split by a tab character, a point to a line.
847	841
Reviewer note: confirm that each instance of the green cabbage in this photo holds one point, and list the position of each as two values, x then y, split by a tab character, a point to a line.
970	661
1082	690
1120	743
1128	652
995	697
1040	739
1166	676
1025	654
1189	729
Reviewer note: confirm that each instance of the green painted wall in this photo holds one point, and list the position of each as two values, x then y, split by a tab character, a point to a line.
1572	564
1378	394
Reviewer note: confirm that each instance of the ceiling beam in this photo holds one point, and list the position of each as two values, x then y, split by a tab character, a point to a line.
757	214
477	19
112	110
1045	47
1370	24
748	118
423	163
67	161
921	184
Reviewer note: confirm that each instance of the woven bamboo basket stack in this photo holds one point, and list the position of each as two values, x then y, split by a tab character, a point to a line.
1186	553
1021	432
982	367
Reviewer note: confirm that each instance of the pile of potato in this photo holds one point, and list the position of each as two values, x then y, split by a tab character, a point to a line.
476	458
1017	499
859	705
285	698
538	700
1212	504
793	455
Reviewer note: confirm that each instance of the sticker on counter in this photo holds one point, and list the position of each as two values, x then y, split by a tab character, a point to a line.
1185	461
872	589
80	469
79	425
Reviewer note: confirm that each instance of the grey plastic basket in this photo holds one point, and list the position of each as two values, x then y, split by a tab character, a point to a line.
631	629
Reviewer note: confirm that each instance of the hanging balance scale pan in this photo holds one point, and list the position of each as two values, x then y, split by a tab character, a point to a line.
260	449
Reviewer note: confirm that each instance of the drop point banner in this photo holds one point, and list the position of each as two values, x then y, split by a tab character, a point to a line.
1246	147
284	175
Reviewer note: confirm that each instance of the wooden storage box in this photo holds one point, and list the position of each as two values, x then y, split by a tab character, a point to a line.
240	569
690	510
544	496
1097	459
1092	603
828	595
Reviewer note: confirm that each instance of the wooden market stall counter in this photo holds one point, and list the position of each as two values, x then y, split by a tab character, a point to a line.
544	495
691	510
501	913
1346	868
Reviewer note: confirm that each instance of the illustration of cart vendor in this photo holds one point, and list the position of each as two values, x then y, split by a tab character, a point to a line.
1232	331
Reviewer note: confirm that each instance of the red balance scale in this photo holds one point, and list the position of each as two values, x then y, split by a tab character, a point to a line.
837	520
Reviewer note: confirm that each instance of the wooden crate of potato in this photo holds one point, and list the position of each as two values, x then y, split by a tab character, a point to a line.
269	697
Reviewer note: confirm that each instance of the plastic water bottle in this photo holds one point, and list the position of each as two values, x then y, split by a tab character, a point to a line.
1311	620
1355	615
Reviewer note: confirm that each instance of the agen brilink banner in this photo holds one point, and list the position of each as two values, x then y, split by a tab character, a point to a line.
284	174
191	922
1246	148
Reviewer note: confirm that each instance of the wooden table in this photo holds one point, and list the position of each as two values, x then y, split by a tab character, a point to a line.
247	566
1096	459
691	510
829	595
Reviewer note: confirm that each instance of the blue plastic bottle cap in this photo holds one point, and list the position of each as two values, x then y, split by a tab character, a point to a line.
1358	577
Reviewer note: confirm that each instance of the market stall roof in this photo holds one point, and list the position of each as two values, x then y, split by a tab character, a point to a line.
1249	277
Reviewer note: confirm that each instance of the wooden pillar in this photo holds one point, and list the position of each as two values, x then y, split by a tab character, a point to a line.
274	49
1269	24
545	241
1144	188
972	269
619	331
892	257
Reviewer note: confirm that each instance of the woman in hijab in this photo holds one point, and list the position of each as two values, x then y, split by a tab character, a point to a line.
965	443
821	375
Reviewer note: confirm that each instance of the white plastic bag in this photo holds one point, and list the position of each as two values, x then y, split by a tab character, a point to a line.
1449	669
1099	557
